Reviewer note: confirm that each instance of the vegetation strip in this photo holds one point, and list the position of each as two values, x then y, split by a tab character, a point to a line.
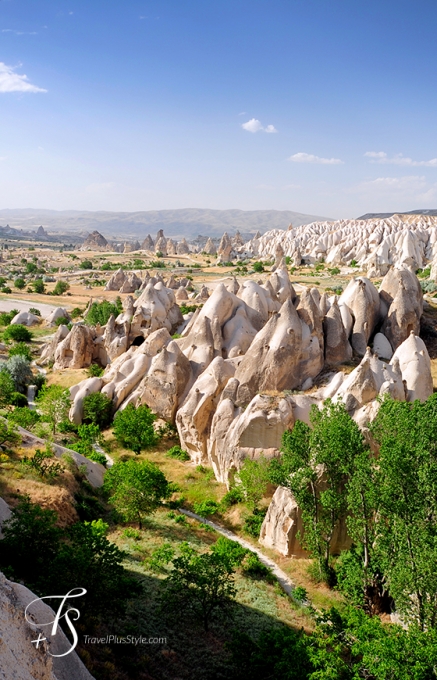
286	584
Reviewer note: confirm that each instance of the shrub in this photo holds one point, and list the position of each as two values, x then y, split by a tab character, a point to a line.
38	286
19	399
61	288
334	271
6	317
18	333
76	312
300	594
43	463
97	409
86	264
24	417
254	477
34	310
99	312
19	369
186	309
95	371
258	267
252	524
253	567
232	497
353	263
62	321
6	290
19	283
177	452
21	349
230	550
206	508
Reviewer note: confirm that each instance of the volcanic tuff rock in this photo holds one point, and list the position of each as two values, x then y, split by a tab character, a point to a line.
95	241
19	659
375	244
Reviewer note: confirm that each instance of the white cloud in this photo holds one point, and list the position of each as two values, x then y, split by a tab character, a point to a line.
383	159
254	125
13	82
310	158
11	30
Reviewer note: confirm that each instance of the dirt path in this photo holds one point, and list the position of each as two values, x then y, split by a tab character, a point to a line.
286	584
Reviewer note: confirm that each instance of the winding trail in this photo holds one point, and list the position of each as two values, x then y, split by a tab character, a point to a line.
284	581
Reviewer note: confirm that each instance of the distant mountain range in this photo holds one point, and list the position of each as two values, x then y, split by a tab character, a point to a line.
381	216
176	223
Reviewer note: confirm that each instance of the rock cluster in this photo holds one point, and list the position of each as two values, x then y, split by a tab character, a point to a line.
226	381
95	242
374	244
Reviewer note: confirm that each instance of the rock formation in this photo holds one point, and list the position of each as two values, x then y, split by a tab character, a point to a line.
94	241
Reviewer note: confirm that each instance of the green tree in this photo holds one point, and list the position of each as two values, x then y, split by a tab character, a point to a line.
53	404
133	428
200	584
19	283
254	478
39	286
61	288
330	446
86	264
18	333
97	409
136	488
406	481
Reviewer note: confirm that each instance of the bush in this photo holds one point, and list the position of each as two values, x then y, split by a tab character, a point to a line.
253	567
76	312
61	288
258	267
18	333
21	349
177	452
86	264
34	310
19	399
38	286
6	317
19	283
6	290
232	497
24	417
186	309
230	550
97	409
62	321
19	369
300	594
44	463
206	508
99	312
95	371
334	271
252	524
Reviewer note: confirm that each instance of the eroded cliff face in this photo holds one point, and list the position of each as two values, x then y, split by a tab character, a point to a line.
19	657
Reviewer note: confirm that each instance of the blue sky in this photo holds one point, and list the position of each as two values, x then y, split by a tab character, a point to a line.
327	107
